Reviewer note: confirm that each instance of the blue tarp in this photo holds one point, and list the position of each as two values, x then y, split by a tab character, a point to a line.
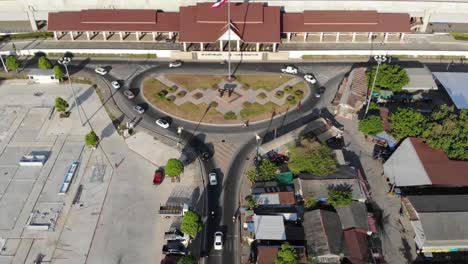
391	141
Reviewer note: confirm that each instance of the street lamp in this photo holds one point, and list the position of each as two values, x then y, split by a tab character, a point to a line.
379	59
179	132
64	61
257	138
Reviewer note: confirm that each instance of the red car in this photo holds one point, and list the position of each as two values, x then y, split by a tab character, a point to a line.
158	177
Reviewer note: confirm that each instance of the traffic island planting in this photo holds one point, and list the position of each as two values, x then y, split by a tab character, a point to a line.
210	99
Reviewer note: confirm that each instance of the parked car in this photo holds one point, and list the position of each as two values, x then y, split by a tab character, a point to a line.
100	71
213	179
139	109
310	78
218	240
175	64
291	69
129	94
174	248
162	123
319	92
115	84
158	177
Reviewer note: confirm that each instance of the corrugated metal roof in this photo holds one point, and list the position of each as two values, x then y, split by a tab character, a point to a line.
269	227
455	85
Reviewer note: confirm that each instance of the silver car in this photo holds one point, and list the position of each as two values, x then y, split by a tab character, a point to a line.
139	109
129	94
175	64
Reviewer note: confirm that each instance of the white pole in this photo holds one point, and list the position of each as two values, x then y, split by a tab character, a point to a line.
379	60
3	63
229	40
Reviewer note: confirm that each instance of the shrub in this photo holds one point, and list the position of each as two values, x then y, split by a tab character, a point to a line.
91	139
12	63
197	96
310	202
251	203
162	94
371	125
58	71
288	89
291	99
299	93
214	104
61	104
265	171
262	95
44	63
391	77
312	158
230	116
173	88
191	224
340	198
181	94
174	168
279	94
171	98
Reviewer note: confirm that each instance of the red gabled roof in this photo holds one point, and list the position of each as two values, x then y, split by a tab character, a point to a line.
240	13
114	20
250	26
346	21
110	16
357	246
440	169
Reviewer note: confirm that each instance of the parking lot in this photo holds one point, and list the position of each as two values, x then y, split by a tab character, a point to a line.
108	215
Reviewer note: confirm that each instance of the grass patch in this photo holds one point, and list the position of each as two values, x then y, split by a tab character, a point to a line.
192	82
252	110
151	90
230	116
279	94
459	35
267	82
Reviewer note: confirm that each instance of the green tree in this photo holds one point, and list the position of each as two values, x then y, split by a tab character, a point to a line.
407	122
251	203
389	77
312	158
174	168
58	72
310	202
448	131
340	198
187	260
91	139
44	63
287	255
61	104
265	171
371	125
12	63
191	224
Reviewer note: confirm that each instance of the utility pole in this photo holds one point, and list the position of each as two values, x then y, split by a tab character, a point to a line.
380	59
3	63
179	132
64	61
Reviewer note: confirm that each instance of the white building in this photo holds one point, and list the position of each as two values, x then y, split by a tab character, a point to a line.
42	76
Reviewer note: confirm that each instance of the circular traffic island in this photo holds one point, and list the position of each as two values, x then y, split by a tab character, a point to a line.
212	99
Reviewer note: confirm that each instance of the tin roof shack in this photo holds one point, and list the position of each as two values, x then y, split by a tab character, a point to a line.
42	76
415	165
276	199
420	79
438	221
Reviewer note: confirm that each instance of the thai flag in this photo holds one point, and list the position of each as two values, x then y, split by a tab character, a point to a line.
219	3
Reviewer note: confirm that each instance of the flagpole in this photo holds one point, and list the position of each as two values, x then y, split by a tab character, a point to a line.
229	39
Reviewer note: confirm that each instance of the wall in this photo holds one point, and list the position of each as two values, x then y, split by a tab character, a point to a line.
159	53
297	54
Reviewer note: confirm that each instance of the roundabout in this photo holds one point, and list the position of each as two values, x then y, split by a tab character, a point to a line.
209	98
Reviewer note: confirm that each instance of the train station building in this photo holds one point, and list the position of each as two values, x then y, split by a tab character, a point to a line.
253	26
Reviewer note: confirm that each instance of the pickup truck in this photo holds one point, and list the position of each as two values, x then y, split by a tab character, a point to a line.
174	248
289	69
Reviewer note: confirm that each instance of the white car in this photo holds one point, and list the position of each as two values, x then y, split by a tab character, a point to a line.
213	179
162	123
310	78
129	94
100	71
218	240
115	84
139	109
289	69
175	64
